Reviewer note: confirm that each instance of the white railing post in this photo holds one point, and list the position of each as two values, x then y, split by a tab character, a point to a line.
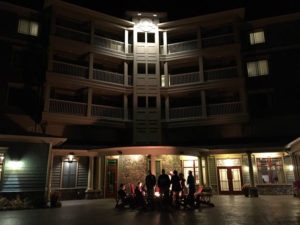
165	43
126	42
125	73
166	73
91	65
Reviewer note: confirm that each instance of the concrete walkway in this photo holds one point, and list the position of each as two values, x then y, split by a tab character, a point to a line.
233	210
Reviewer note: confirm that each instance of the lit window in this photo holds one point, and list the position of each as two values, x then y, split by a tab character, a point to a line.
257	37
193	166
1	164
257	68
270	171
28	27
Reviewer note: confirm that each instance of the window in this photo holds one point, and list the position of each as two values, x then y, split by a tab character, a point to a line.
257	37
151	68
193	166
142	101
257	68
1	164
28	27
141	68
270	171
152	102
150	38
140	37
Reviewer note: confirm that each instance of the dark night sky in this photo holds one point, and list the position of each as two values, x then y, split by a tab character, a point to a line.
183	8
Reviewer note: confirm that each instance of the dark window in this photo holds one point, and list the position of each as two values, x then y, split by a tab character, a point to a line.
141	68
151	68
152	102
150	37
140	37
142	101
69	174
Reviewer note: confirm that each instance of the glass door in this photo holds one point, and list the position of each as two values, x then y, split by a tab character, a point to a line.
111	178
230	181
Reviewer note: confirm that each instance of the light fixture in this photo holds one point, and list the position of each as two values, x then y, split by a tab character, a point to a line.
1	157
291	167
155	15
15	165
139	14
70	157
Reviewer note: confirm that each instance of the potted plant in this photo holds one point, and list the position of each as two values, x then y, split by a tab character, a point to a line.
245	189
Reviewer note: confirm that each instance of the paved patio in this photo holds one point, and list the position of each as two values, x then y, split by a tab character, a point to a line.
265	210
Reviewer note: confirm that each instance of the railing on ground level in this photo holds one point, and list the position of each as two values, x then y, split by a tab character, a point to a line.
220	74
113	45
186	112
108	76
184	78
70	69
72	34
224	108
107	111
67	107
218	40
182	46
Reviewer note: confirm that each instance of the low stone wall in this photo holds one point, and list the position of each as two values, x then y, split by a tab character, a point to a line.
275	189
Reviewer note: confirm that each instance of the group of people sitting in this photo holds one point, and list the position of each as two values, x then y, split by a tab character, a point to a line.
172	191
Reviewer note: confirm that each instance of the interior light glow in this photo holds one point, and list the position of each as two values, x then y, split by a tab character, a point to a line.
228	162
154	15
291	167
246	168
139	14
15	165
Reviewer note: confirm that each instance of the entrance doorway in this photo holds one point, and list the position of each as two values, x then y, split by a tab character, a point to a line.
230	180
111	178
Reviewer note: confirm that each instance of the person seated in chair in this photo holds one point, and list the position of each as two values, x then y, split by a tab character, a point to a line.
139	196
126	200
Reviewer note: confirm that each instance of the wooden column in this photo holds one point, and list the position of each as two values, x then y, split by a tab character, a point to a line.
167	108
251	174
91	65
99	173
126	41
125	73
206	171
125	107
153	166
165	43
200	172
91	174
47	98
166	73
90	102
296	166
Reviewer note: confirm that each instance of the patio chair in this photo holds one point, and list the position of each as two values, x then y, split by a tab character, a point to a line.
202	196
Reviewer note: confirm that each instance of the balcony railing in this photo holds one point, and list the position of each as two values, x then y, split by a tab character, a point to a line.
218	40
70	69
72	34
182	46
186	112
184	78
107	111
130	48
220	74
107	76
224	108
110	44
68	107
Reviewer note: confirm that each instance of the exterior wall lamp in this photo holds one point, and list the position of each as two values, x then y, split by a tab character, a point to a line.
70	157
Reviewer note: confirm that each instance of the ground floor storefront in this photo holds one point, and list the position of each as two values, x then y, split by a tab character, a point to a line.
98	173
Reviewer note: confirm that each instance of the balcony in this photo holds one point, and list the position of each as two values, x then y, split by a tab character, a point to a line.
70	69
185	112
181	46
220	74
184	78
107	76
218	40
80	109
224	108
72	34
102	111
67	107
116	46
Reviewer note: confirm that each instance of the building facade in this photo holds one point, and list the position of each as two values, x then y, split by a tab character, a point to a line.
214	94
